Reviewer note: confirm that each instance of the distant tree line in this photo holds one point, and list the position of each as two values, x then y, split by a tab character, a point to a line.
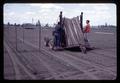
29	24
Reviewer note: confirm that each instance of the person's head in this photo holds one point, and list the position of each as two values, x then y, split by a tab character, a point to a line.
87	21
58	23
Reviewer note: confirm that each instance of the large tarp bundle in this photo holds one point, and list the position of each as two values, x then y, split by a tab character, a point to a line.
73	32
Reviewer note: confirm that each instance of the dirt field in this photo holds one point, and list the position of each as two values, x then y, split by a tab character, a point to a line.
26	61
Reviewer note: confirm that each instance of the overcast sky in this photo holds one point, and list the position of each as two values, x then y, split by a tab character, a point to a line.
98	14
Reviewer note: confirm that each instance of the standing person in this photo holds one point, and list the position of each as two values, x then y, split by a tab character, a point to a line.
56	35
86	32
63	39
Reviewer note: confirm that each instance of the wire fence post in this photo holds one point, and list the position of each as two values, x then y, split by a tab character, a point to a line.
23	35
16	37
60	17
9	33
39	25
81	21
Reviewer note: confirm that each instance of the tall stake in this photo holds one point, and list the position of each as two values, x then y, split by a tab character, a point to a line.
81	21
60	16
60	19
16	37
23	35
8	32
39	34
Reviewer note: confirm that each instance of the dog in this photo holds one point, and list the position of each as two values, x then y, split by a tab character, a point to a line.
49	42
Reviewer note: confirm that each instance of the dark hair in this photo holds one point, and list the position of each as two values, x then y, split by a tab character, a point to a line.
58	22
87	21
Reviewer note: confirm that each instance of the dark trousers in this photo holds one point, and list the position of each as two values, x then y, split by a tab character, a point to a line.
57	41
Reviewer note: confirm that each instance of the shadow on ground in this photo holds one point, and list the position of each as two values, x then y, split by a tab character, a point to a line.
77	49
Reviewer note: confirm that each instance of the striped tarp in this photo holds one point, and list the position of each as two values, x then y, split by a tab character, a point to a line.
73	32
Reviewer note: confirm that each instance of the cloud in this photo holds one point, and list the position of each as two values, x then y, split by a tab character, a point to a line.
49	13
100	7
29	13
11	13
46	6
14	17
44	10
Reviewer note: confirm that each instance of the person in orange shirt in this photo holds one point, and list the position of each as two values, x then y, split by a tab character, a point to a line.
87	27
86	31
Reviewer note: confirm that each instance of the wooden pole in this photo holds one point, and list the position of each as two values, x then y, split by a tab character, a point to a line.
16	38
39	25
60	19
23	34
8	32
81	21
